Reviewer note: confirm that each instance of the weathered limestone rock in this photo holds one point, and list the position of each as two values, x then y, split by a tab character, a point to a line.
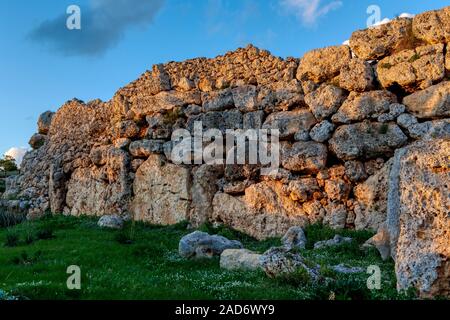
162	192
126	129
308	156
381	242
378	42
253	120
336	241
418	217
372	200
202	245
263	212
294	238
431	102
203	189
325	101
322	131
366	140
145	148
358	75
44	122
111	222
37	140
395	110
411	69
355	171
278	262
218	100
302	189
95	190
433	26
336	215
289	122
143	105
280	96
245	98
360	106
324	64
240	259
337	189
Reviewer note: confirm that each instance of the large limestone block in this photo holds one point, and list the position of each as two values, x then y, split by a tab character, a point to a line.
303	156
360	106
366	140
325	101
419	217
162	192
378	42
263	212
93	190
358	75
371	196
323	64
433	26
411	69
142	105
289	122
431	102
44	122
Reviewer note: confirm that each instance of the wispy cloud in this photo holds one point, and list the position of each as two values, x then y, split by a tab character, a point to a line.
103	25
17	153
308	11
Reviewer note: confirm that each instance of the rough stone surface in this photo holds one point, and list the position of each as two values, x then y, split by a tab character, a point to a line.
325	101
111	222
366	140
44	122
371	196
411	69
322	131
294	238
37	140
289	122
162	193
378	42
418	217
431	102
433	26
263	212
323	64
360	106
240	259
277	262
357	75
336	241
381	241
308	157
202	245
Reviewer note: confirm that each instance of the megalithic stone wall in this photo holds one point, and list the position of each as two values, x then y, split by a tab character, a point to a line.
342	112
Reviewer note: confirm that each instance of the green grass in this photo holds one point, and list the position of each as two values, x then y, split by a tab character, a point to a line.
149	267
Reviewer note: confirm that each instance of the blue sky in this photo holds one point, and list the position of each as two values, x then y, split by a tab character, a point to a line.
41	68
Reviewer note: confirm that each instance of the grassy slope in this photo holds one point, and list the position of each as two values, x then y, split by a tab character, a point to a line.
150	267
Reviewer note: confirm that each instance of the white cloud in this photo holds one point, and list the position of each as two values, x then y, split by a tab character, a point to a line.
308	11
17	153
387	20
406	15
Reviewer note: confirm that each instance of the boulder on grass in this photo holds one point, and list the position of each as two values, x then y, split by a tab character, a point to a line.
111	222
202	245
240	259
